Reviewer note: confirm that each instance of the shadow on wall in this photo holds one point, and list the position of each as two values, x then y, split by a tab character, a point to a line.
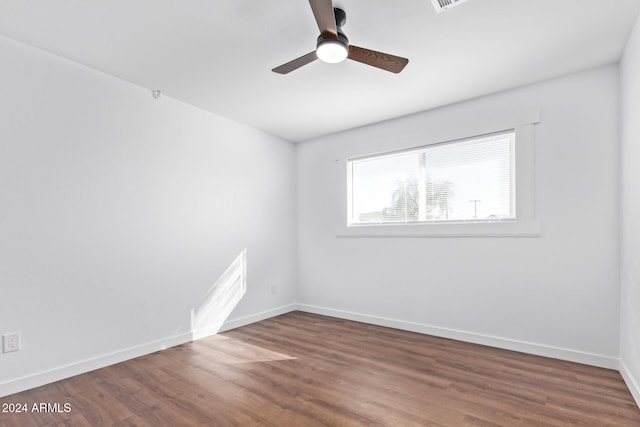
221	299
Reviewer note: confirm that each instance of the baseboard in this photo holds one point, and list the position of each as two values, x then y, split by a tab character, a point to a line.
263	315
41	378
608	362
632	384
45	377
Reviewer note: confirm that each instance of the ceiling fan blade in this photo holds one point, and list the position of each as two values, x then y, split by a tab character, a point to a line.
296	63
384	61
323	12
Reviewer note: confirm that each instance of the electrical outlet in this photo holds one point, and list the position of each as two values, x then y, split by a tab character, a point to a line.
11	342
274	289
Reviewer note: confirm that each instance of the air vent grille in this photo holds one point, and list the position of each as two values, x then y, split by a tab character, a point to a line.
442	5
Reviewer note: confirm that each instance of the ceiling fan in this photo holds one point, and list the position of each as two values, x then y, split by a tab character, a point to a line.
333	45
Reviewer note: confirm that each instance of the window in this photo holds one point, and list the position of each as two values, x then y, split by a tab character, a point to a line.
464	181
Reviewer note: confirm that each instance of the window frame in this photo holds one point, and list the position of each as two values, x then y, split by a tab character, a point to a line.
526	223
469	140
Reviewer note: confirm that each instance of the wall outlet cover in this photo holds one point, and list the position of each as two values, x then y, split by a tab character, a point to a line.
11	342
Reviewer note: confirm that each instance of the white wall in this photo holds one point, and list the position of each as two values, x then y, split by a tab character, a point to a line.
119	212
556	295
630	214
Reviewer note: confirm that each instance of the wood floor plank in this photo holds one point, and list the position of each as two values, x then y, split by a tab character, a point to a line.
301	369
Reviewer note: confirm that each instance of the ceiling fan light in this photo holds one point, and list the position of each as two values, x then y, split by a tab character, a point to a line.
332	51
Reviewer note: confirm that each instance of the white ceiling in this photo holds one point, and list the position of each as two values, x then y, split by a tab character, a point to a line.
218	54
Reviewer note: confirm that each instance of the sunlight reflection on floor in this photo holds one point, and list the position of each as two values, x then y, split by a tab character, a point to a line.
231	351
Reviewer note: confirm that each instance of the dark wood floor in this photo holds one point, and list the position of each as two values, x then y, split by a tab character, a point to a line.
301	369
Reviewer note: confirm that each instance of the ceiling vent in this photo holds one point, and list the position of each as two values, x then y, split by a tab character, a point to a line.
442	5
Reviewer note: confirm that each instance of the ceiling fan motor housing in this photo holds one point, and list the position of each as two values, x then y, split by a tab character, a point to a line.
341	39
341	17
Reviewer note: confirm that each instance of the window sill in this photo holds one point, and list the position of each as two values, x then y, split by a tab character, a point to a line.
494	229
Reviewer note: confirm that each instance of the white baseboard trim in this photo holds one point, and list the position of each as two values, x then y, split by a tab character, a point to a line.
632	383
253	318
41	378
56	374
608	362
